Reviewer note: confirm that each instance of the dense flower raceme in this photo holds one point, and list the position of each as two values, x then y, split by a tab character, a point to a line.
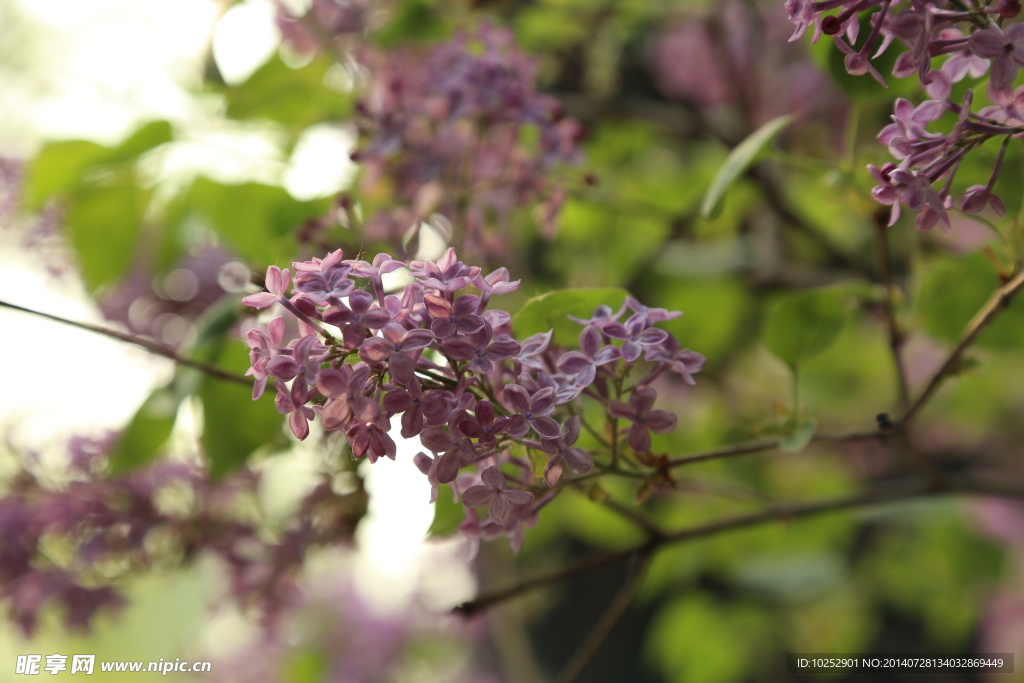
445	128
66	546
450	367
970	40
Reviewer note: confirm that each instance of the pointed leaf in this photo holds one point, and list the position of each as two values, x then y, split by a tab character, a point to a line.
737	162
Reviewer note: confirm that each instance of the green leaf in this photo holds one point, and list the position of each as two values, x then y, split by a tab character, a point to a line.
103	225
58	167
954	289
737	162
448	515
803	325
257	221
549	311
295	98
233	424
145	138
145	435
797	440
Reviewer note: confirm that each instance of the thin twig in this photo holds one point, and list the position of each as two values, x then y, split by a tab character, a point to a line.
603	628
151	346
757	447
999	300
781	512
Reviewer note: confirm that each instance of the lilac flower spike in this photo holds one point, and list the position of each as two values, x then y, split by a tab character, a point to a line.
493	494
452	408
1005	49
640	413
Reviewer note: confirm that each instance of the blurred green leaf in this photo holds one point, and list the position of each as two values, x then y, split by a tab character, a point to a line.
550	311
953	291
103	223
144	437
58	167
143	139
737	162
803	325
295	98
257	221
233	424
448	514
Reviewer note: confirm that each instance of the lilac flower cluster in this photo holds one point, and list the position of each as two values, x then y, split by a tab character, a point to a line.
117	525
971	39
450	367
444	131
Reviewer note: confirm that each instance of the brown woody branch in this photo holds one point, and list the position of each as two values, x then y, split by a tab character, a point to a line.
151	346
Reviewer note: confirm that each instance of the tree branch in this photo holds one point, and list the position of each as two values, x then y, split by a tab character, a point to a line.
999	300
151	346
791	512
603	628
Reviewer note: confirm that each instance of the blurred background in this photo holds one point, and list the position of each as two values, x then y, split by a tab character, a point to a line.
156	156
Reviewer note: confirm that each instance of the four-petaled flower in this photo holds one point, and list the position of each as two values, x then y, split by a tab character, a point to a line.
324	281
485	426
1005	49
292	402
494	494
479	350
277	284
368	433
393	348
418	408
636	335
584	363
564	454
532	411
360	314
640	412
449	318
